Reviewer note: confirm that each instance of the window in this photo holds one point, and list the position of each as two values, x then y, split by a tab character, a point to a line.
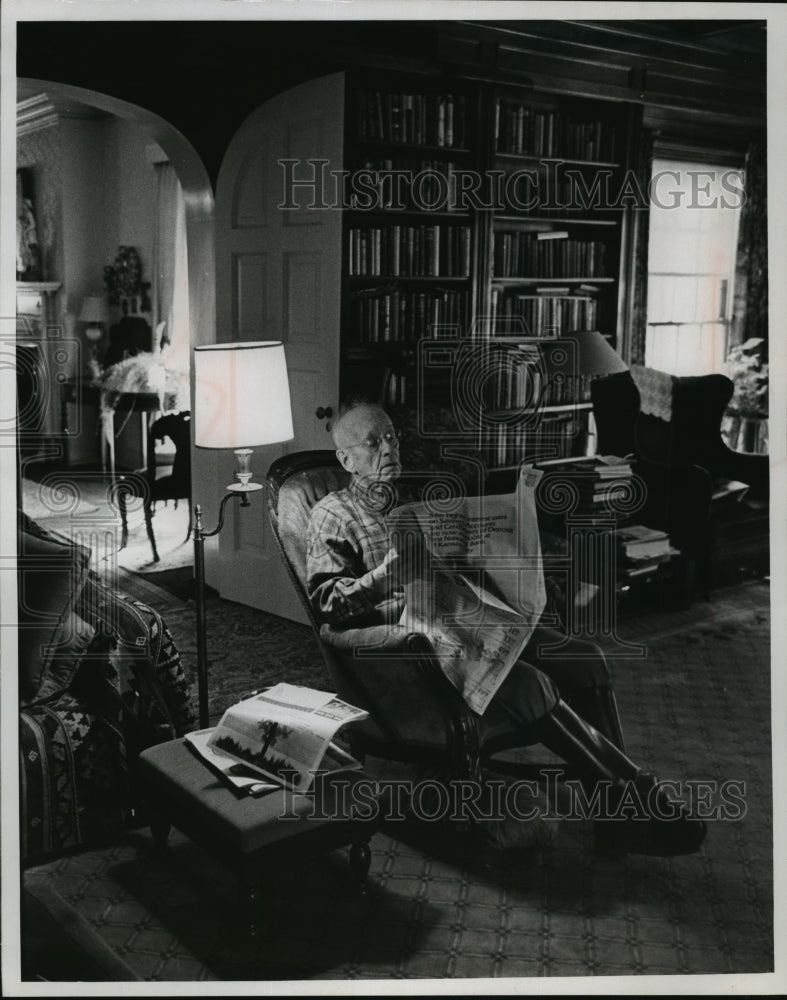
171	291
694	216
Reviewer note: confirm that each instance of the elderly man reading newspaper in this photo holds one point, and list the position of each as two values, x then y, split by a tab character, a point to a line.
373	558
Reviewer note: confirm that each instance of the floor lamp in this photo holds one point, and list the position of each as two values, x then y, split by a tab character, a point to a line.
241	401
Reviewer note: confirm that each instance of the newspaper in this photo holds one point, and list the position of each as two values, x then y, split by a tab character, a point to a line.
285	733
484	592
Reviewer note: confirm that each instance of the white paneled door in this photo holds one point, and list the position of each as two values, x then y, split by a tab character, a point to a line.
278	277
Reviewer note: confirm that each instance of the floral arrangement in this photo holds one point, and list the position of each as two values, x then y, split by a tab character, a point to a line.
123	279
144	372
750	378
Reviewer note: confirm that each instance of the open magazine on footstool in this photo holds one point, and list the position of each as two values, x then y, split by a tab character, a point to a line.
279	738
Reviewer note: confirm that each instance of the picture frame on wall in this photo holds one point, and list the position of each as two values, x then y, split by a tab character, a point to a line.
28	250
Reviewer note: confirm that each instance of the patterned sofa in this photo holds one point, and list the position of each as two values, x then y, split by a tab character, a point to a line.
100	678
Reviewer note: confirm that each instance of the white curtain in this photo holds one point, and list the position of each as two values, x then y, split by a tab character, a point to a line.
171	291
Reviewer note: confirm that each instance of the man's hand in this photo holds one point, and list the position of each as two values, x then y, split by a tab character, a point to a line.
408	559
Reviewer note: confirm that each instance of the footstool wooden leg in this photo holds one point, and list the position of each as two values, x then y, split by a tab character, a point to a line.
250	892
360	862
159	828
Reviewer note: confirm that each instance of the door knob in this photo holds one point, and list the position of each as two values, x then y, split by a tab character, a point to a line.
323	411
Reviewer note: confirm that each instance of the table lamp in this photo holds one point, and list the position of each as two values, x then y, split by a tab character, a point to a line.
95	314
241	401
573	359
595	354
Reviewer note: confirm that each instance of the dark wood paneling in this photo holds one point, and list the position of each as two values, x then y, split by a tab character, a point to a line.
616	63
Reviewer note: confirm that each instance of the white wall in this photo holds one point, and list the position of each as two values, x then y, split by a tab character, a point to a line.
95	191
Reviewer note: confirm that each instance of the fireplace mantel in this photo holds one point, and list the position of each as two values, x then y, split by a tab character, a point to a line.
45	287
35	298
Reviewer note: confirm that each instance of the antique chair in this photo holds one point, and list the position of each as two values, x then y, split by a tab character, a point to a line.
175	485
100	677
416	714
672	427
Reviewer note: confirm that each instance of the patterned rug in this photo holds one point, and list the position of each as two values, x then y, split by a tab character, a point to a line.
696	707
83	506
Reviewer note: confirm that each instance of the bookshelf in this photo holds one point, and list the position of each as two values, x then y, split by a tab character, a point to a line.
485	214
410	254
555	240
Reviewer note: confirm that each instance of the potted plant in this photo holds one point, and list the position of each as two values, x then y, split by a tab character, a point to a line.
749	403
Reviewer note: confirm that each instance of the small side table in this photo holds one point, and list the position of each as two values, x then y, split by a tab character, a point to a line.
252	834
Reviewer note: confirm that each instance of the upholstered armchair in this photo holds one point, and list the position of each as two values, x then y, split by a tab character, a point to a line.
416	714
672	426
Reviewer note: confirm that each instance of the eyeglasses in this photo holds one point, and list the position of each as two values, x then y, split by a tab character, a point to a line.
374	442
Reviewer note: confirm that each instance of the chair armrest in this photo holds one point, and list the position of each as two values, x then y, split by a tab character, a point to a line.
376	641
397	677
747	468
679	493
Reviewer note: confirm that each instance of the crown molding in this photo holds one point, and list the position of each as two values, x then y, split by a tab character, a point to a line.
35	113
41	111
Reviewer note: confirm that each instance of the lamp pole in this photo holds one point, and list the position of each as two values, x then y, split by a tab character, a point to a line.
234	491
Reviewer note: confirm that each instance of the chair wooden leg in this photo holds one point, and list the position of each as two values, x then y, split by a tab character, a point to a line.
149	529
121	495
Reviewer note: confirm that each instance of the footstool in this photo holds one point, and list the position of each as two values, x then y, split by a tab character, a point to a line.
250	833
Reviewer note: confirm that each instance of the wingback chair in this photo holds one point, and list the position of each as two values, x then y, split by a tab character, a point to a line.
672	426
416	714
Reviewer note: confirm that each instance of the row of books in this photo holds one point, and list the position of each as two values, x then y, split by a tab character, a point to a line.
397	389
564	389
542	315
525	131
409	251
396	316
514	387
512	444
517	254
405	183
416	119
531	392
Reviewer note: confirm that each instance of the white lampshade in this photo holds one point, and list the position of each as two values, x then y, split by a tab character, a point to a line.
242	395
94	309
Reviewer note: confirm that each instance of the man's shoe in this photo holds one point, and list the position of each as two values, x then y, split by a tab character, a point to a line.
662	827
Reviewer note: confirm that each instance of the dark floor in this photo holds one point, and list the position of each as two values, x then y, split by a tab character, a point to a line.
695	707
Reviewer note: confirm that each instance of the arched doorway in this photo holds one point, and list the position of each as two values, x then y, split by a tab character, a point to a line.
153	133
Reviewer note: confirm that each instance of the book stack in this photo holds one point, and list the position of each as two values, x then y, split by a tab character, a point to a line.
599	480
602	479
642	549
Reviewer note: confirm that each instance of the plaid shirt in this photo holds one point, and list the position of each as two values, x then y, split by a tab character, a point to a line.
346	543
